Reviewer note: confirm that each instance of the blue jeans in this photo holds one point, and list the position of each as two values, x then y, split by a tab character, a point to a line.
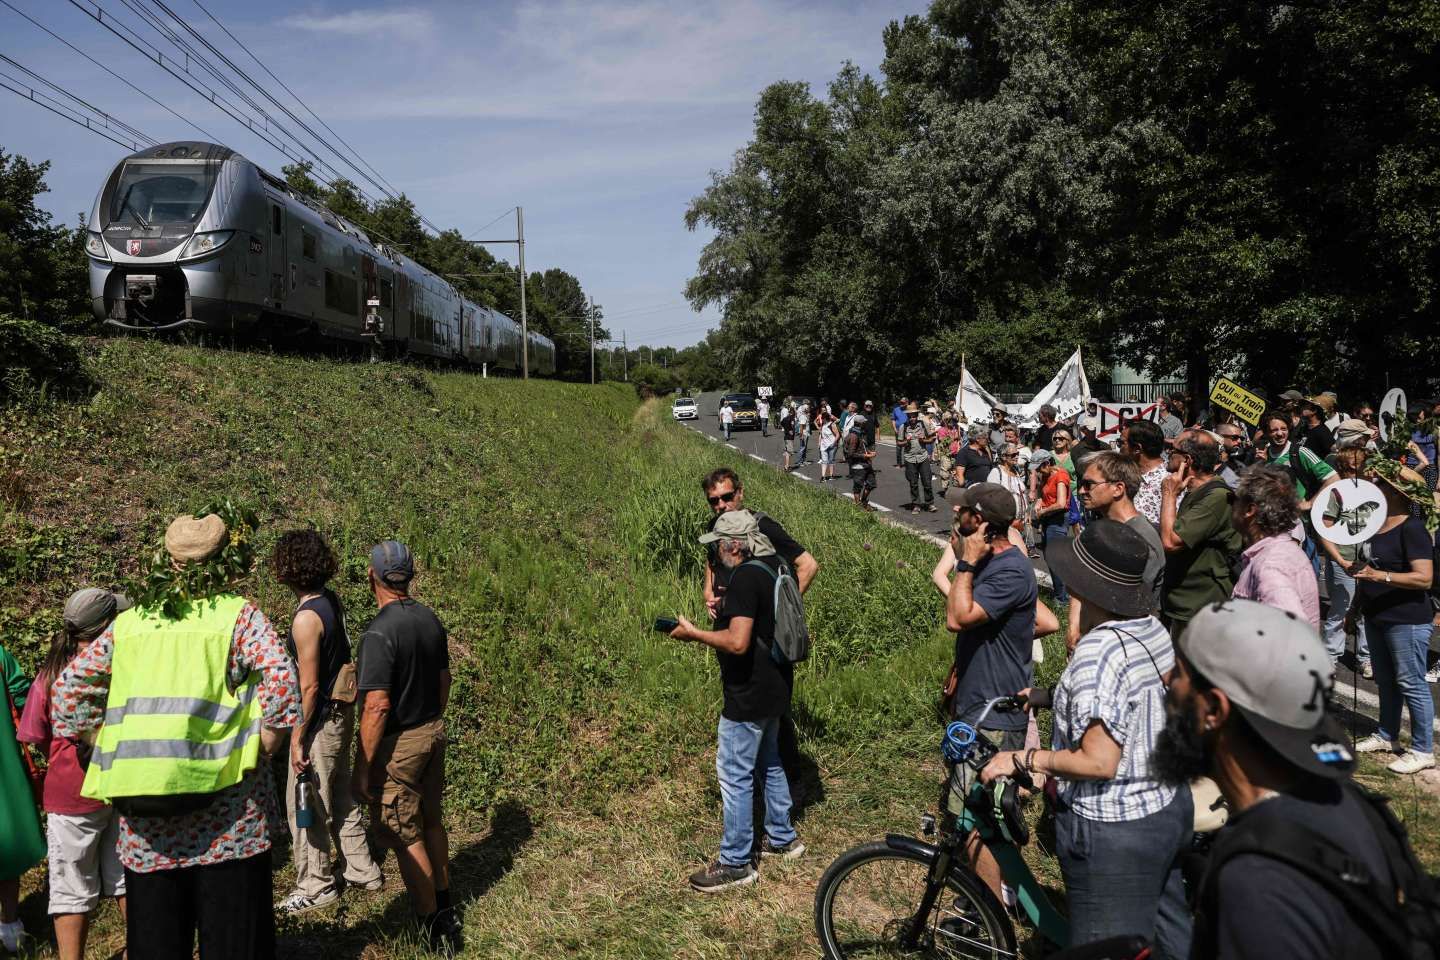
1124	878
1312	551
803	440
726	427
748	752
1055	533
1397	651
1341	587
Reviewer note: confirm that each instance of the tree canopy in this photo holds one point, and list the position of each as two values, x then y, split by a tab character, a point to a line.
1193	184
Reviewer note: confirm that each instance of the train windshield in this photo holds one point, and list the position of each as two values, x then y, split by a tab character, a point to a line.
154	192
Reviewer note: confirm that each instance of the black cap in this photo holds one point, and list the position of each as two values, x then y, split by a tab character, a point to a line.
994	504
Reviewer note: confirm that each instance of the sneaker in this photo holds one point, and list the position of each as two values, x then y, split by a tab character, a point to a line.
1432	675
13	936
914	509
1377	744
1412	761
719	876
297	903
790	851
931	508
1368	672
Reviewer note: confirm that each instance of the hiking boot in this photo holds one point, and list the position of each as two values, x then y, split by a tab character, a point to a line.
1412	761
790	851
1368	672
720	876
443	933
297	903
1376	744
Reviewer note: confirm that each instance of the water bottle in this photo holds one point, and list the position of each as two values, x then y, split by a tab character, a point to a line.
304	812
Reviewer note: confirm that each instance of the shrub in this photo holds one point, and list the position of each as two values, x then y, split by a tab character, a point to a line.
36	359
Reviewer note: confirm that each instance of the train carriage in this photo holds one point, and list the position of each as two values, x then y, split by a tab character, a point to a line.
192	234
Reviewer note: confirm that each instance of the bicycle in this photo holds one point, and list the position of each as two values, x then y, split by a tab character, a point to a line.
924	899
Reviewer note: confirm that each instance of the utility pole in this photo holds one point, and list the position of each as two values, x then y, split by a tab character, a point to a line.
624	356
592	340
524	324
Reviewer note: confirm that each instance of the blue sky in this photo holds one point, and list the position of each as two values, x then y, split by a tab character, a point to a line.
601	118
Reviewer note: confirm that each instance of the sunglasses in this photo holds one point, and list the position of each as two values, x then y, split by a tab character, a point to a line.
722	498
1087	483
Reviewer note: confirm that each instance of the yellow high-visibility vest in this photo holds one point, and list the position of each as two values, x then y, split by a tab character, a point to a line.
172	725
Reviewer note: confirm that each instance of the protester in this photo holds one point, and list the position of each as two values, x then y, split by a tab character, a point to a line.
1119	833
320	742
898	416
1248	705
1199	536
802	432
1060	444
911	439
1172	420
1273	568
756	695
872	424
1089	444
403	684
762	413
829	431
787	432
991	609
1355	433
1146	443
975	461
1392	592
195	825
1054	487
1107	489
81	834
727	419
1046	430
1309	473
997	428
859	449
22	842
948	440
1342	560
1008	473
1318	439
1236	449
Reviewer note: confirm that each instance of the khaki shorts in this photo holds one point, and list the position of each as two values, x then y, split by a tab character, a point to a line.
84	864
409	797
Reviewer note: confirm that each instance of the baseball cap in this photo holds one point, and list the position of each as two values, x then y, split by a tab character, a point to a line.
392	562
994	503
89	611
1041	457
1274	668
1292	395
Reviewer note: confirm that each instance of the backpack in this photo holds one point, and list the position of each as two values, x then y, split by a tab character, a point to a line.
853	444
1400	913
792	638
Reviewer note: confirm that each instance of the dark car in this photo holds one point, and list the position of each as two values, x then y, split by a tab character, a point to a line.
747	414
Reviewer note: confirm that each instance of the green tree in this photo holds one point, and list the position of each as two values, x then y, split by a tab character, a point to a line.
43	266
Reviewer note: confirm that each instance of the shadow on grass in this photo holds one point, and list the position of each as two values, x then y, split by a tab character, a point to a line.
474	870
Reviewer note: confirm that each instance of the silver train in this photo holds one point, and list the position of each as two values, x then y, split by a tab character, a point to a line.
194	235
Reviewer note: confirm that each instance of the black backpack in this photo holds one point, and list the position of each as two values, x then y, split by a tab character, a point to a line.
1400	913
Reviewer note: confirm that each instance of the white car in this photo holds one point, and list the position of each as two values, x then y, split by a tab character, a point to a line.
684	409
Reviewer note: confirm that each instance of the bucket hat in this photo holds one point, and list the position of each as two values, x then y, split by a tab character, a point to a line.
1105	565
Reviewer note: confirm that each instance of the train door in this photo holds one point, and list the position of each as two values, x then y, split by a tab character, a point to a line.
374	324
276	260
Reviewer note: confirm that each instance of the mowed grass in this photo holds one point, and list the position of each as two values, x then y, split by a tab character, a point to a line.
552	523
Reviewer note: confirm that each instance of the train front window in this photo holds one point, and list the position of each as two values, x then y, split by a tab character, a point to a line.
151	192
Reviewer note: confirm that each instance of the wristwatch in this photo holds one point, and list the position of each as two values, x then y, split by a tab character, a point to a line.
1387	576
964	566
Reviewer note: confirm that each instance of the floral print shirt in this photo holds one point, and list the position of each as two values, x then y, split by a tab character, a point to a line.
1147	499
237	824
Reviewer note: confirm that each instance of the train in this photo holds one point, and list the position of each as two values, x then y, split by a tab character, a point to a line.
192	235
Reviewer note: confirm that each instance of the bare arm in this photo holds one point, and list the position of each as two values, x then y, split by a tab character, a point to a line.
1096	758
306	631
735	639
1419	577
1046	622
806	566
940	576
374	711
1170	489
961	610
1062	500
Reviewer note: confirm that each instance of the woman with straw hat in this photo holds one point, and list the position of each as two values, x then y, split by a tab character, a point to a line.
1393	583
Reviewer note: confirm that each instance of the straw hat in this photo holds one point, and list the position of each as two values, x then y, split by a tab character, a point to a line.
188	539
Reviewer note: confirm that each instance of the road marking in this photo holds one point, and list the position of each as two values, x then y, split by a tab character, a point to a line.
733	447
756	456
802	476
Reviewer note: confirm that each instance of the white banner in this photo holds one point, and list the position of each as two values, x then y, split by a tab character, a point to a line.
1067	393
1113	416
975	401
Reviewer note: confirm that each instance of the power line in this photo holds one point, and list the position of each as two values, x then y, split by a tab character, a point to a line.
292	93
107	119
37	24
27	92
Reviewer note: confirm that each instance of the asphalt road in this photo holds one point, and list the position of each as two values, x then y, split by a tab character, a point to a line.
892	499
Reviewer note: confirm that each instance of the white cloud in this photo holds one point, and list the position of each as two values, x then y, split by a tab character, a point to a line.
408	22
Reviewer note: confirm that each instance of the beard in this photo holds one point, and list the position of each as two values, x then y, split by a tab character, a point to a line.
1179	754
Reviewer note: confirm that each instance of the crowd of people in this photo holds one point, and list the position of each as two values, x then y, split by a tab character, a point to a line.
167	724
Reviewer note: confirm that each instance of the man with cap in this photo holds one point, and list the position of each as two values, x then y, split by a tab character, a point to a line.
195	820
997	428
913	437
1119	831
990	607
756	695
1248	705
858	445
1317	438
403	683
81	834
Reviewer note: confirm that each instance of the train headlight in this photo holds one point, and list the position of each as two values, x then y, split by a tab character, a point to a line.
206	243
95	246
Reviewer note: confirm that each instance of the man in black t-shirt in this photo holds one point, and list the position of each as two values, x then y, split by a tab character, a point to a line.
1248	705
1317	437
404	686
757	695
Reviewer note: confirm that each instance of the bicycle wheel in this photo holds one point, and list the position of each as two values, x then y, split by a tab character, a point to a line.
866	900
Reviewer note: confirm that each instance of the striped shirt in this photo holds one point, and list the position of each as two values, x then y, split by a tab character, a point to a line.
1114	676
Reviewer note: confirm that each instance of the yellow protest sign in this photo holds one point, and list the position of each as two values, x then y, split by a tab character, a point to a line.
1239	401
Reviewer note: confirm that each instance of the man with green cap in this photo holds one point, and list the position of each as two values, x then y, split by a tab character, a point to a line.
757	693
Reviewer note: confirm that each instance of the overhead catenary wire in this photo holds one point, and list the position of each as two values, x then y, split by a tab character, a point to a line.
111	123
94	60
27	92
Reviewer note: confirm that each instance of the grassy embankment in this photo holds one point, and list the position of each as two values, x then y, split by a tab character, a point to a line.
553	523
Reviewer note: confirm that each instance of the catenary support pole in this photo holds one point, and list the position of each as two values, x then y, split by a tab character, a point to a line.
524	321
624	356
592	340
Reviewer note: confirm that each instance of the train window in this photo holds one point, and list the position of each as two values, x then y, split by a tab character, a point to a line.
307	244
275	226
386	292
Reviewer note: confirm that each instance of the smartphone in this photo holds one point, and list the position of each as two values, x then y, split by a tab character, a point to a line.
666	624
